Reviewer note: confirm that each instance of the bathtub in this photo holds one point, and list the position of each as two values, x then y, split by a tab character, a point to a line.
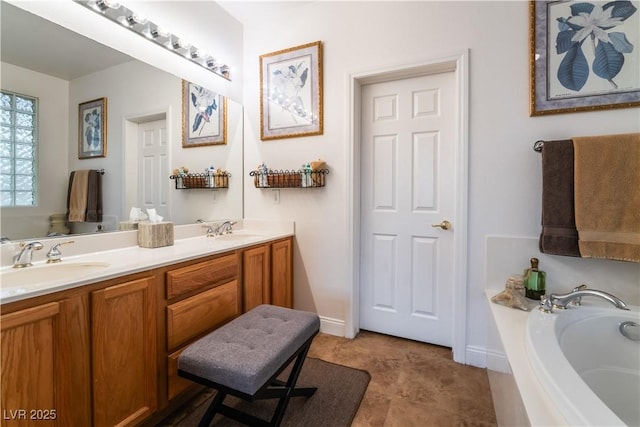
585	364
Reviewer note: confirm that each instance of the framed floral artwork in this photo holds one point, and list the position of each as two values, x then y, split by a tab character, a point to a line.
204	116
92	129
585	55
291	92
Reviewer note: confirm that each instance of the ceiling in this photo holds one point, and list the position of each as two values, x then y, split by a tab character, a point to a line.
248	12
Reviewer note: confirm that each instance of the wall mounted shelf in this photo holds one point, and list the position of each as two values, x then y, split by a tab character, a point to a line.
201	180
289	178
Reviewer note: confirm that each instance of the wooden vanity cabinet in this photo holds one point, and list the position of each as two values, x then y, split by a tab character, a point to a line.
123	329
45	374
267	274
106	354
201	297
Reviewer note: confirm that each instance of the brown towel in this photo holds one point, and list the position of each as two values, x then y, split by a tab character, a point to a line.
84	196
607	196
77	198
94	197
559	235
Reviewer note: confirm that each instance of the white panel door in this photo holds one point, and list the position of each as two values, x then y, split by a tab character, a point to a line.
153	167
407	185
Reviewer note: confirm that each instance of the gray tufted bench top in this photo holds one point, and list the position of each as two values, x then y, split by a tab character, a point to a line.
248	351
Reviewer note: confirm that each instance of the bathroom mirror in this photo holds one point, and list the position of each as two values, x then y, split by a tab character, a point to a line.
63	69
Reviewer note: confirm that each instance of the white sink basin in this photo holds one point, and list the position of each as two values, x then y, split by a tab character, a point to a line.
48	273
234	237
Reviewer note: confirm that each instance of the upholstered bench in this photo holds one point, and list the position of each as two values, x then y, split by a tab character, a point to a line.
244	357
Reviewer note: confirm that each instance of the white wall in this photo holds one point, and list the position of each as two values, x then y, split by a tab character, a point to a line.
53	119
504	172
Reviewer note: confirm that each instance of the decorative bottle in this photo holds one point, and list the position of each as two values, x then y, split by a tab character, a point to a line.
534	281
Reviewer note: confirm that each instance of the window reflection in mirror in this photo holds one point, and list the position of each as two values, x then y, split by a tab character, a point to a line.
143	123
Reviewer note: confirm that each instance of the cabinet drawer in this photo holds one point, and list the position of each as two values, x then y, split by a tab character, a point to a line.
196	276
201	313
175	383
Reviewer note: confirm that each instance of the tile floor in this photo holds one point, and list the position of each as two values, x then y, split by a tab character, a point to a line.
412	383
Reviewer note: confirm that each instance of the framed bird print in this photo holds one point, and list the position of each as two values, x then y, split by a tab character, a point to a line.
204	116
291	92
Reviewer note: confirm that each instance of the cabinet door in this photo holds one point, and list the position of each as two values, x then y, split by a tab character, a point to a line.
124	354
45	366
282	273
255	277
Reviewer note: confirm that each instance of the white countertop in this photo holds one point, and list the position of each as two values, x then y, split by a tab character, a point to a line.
511	324
125	257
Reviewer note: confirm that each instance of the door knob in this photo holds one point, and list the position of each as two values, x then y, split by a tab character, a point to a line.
445	225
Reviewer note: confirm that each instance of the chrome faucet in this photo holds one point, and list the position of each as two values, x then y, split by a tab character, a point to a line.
210	231
560	301
205	224
54	254
218	230
225	228
23	259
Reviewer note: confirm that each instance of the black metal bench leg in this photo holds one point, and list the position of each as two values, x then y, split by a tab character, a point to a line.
290	390
212	409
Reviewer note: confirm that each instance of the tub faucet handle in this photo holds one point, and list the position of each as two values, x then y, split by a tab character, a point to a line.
578	301
545	304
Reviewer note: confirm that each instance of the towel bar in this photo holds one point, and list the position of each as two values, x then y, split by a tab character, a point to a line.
537	146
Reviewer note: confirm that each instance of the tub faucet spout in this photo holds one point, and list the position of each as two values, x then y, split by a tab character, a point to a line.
561	301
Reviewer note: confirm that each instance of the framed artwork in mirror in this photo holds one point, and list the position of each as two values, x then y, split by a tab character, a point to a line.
204	116
92	129
291	92
584	55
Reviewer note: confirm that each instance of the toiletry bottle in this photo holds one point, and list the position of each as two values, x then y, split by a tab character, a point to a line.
534	281
211	172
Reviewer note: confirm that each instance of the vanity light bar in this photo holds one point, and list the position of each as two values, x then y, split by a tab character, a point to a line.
116	12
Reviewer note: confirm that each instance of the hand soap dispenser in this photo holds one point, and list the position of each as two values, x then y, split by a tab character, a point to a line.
534	281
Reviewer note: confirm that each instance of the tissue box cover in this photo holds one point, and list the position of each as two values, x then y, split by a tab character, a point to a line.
155	234
128	225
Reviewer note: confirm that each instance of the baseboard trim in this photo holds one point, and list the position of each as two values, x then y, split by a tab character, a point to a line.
498	361
332	326
476	356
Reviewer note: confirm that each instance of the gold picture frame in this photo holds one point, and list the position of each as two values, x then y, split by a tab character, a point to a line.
572	65
92	129
204	116
291	92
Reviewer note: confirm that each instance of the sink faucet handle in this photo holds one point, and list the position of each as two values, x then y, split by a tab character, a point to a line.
54	254
210	230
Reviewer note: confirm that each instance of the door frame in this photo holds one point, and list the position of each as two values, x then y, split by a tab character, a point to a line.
457	63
